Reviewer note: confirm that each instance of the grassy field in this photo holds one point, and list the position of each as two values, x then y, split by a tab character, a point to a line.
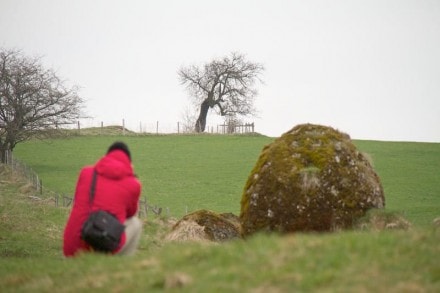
194	172
182	173
187	173
410	176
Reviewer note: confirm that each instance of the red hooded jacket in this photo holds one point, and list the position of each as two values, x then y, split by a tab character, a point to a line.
117	191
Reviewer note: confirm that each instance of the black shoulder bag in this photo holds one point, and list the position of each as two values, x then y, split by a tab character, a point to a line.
102	230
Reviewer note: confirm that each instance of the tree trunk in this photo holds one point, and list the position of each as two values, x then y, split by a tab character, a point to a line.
3	155
5	151
201	121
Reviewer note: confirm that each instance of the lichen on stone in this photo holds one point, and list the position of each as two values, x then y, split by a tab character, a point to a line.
312	178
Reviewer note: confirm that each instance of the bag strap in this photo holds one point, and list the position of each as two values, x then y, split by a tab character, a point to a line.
93	187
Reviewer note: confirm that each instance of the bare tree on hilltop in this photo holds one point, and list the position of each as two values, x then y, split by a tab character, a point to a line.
33	100
226	85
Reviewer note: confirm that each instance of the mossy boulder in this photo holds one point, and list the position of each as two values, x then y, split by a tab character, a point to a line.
205	225
312	178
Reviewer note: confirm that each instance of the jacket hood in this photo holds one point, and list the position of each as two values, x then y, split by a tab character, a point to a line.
114	165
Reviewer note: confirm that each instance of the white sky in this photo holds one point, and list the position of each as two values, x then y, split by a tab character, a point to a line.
369	68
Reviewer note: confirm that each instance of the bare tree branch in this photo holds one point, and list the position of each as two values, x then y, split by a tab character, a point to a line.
33	100
226	85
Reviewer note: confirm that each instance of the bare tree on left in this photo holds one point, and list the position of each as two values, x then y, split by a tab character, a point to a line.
33	100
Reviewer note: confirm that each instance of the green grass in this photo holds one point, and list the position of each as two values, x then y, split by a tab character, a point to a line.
181	173
187	173
210	172
410	176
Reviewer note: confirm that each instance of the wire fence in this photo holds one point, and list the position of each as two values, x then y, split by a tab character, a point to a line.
158	127
62	200
24	171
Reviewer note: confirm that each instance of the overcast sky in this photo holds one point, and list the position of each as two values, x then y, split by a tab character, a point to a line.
368	68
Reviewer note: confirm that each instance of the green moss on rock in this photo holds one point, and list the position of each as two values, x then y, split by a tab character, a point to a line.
312	178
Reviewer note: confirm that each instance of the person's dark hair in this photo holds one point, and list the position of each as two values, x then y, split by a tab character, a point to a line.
119	145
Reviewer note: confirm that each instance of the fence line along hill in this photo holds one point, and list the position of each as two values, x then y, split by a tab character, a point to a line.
112	130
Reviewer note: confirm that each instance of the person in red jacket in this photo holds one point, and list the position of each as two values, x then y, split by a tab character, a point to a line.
117	191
